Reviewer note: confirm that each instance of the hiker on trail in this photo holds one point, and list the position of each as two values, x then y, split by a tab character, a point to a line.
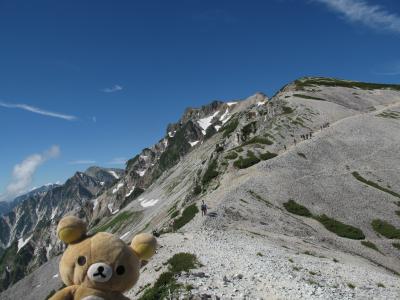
294	140
310	134
284	147
203	209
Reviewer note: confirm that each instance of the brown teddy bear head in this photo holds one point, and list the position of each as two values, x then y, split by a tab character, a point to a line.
101	261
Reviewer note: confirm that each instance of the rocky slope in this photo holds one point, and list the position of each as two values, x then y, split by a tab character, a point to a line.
290	217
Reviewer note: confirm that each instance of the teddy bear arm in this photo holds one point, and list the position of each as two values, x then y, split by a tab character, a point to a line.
66	293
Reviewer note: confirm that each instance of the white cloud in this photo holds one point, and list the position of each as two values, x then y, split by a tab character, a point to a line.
361	11
82	162
38	111
117	161
23	172
113	89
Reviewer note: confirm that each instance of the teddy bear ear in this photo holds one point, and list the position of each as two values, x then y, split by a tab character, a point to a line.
71	229
144	245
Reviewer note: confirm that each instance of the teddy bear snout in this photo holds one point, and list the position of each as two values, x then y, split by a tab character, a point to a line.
100	272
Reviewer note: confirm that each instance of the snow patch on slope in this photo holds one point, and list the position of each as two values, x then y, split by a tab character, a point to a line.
120	185
130	192
113	174
206	122
110	208
148	203
22	242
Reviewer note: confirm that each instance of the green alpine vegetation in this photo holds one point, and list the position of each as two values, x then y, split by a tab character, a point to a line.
287	109
231	155
167	285
302	155
250	160
337	227
297	209
374	184
258	140
211	172
308	97
386	229
370	245
230	127
267	155
333	82
341	229
115	223
187	215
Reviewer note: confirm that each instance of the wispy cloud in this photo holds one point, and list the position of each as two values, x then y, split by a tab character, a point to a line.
37	111
117	161
23	173
113	89
82	162
361	11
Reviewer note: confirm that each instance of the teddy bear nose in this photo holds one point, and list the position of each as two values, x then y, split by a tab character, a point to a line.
99	272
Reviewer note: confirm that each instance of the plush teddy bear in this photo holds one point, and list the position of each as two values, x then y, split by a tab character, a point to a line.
101	266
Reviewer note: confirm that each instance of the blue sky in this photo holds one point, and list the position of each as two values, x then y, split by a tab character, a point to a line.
93	82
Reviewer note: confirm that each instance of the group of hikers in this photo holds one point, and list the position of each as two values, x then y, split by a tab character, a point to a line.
325	125
307	135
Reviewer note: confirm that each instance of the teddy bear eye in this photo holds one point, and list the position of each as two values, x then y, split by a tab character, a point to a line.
81	260
120	270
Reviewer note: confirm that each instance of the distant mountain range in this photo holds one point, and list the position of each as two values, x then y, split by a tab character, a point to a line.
27	230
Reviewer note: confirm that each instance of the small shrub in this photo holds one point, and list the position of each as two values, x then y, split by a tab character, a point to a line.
268	155
230	127
211	172
297	209
240	149
291	260
248	129
166	285
244	201
287	110
335	260
258	140
187	215
197	189
174	214
370	245
302	155
312	273
231	155
341	229
243	163
259	254
308	97
396	245
182	262
397	212
115	223
386	229
350	285
381	285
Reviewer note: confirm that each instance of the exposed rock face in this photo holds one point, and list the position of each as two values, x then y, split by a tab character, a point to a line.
27	232
195	126
246	160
